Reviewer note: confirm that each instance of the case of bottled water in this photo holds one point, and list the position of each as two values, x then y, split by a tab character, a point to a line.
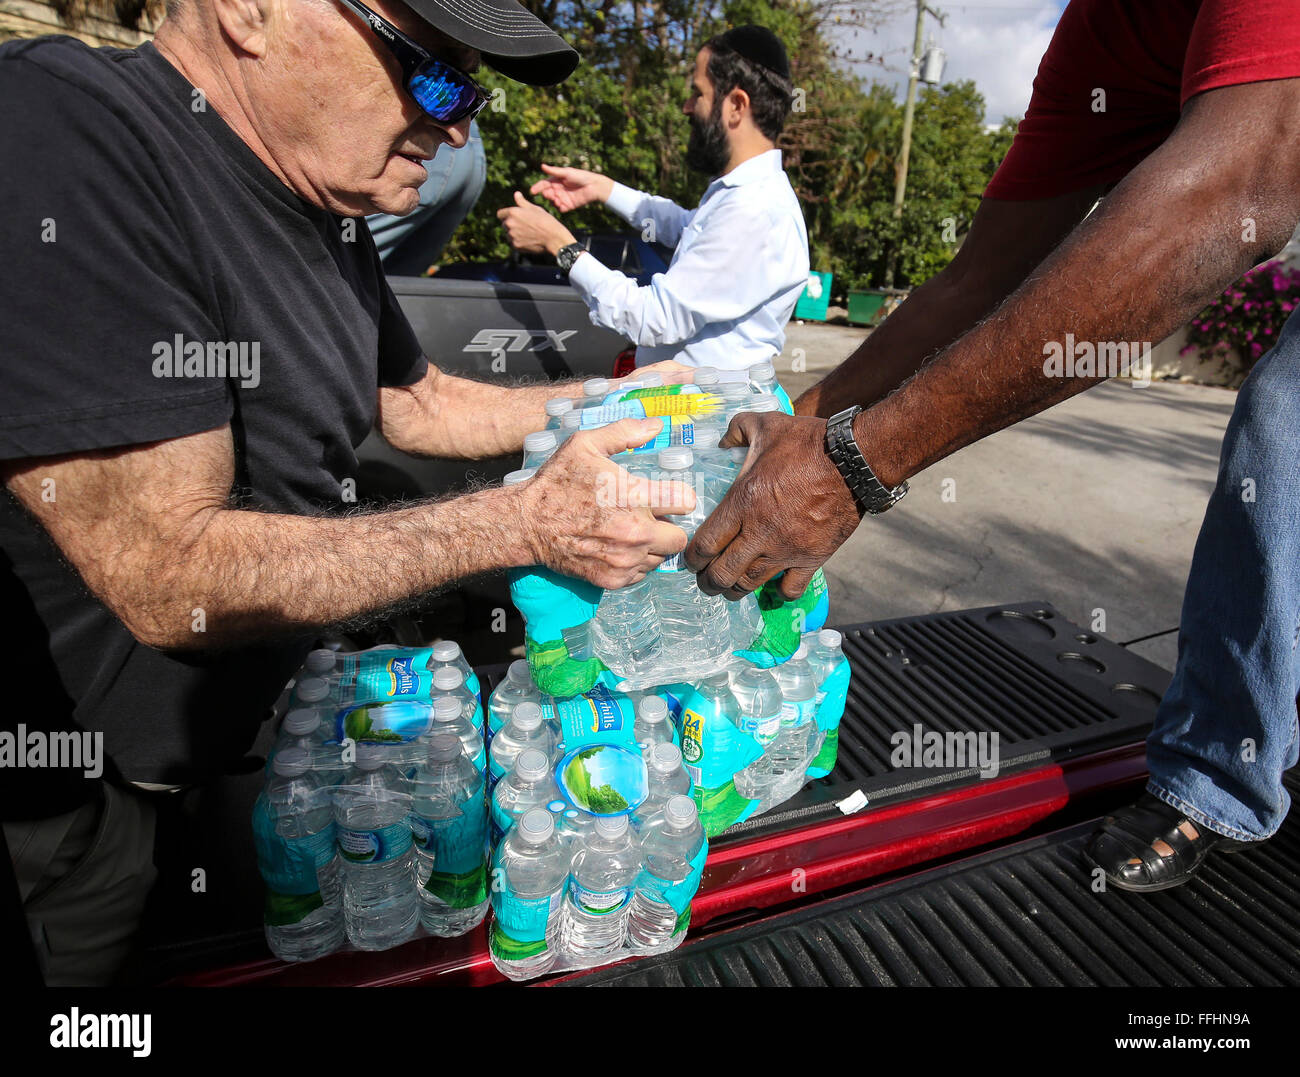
372	826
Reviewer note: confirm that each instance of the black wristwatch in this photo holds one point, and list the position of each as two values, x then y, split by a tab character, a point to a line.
869	492
566	256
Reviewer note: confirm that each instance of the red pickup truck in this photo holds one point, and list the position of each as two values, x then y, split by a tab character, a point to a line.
883	872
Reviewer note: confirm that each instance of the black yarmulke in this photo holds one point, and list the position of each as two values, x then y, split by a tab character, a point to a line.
758	45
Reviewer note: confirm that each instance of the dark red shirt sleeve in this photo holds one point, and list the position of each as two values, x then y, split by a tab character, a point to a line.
1113	81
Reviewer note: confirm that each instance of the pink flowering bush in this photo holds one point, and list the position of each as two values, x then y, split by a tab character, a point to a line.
1248	317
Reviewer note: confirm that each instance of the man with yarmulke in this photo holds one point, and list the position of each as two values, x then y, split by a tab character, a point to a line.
741	256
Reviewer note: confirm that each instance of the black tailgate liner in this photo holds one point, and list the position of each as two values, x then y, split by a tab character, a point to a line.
1020	916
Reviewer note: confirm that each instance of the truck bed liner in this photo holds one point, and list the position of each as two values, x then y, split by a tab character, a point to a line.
1022	915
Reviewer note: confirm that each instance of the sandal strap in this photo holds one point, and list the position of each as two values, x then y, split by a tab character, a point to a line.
1137	827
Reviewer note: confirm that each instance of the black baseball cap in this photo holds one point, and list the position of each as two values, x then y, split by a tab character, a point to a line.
510	38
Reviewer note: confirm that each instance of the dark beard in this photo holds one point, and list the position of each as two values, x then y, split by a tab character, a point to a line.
707	150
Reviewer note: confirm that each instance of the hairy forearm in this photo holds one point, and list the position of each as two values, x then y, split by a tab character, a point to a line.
262	576
1161	246
462	419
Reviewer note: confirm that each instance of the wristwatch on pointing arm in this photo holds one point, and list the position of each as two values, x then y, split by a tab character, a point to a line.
869	492
566	256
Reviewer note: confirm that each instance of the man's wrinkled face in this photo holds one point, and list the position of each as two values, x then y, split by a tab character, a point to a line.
707	150
330	105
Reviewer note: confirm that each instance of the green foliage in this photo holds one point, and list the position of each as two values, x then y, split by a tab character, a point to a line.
620	114
1248	317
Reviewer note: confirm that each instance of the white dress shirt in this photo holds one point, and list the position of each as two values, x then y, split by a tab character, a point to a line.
740	265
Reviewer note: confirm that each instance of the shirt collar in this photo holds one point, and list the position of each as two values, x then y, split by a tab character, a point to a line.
767	163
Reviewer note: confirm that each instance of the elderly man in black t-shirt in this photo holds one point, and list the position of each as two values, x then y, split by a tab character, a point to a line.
196	335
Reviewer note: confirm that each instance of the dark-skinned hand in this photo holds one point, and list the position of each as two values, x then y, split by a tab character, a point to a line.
788	510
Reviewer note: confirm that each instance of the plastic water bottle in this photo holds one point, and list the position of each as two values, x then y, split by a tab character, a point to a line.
764	402
294	826
524	730
450	681
625	632
652	726
762	377
380	907
665	779
447	652
301	728
594	391
570	424
538	447
533	869
320	662
668	852
696	626
449	718
556	408
650	380
604	868
760	699
517	687
825	652
795	744
530	785
449	829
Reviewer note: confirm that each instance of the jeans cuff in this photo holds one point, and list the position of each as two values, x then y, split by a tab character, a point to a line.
1199	817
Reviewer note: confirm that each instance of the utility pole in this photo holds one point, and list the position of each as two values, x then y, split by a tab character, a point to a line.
909	110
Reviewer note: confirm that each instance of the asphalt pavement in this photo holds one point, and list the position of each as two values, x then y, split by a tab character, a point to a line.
1093	505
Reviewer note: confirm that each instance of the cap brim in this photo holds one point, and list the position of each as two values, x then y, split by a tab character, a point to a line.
511	39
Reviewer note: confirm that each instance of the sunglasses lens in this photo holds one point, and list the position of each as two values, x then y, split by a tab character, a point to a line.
443	93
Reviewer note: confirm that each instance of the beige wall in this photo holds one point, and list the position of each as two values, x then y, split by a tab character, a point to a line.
31	18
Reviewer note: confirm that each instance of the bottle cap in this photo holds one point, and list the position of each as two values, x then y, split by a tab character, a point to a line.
595	387
652	709
312	689
680	811
706	375
611	826
571	421
651	380
443	748
536	826
676	459
764	402
800	653
539	441
321	660
447	709
527	716
519	673
447	678
300	722
522	475
763	371
707	435
558	406
531	764
665	758
291	762
446	650
828	637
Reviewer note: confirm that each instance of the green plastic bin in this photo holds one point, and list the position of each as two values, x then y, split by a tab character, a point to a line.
864	307
813	308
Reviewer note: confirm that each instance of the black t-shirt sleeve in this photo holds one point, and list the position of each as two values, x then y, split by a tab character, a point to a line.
97	286
401	358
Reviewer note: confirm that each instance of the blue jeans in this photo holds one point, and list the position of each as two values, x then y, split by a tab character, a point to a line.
409	245
1226	729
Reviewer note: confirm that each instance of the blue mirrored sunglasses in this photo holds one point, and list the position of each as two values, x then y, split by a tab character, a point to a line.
446	94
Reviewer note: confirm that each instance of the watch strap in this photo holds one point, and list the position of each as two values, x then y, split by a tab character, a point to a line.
869	492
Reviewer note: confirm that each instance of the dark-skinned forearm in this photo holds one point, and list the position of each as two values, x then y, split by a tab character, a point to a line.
1156	252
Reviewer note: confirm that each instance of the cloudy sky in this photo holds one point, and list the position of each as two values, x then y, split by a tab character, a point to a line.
998	43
